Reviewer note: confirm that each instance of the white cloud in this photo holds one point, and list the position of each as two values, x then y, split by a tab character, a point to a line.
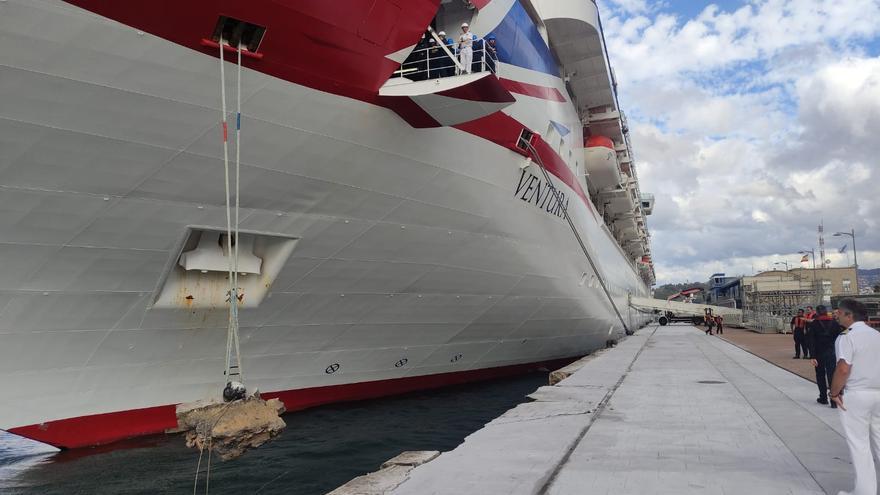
752	126
760	216
716	38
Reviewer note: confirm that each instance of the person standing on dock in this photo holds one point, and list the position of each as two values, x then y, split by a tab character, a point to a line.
856	389
823	332
810	314
719	324
798	326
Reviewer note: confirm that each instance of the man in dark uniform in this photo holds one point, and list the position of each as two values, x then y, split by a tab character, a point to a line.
491	52
435	59
823	331
447	65
798	326
477	64
415	67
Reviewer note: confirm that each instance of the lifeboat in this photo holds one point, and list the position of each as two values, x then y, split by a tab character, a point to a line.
600	160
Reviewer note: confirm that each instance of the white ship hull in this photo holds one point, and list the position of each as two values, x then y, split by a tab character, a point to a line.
413	245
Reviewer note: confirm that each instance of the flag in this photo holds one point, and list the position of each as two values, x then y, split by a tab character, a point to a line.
843	249
804	259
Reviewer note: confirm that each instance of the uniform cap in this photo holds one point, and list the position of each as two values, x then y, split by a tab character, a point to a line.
464	25
442	33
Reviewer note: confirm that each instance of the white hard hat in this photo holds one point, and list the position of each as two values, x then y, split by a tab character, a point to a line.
464	25
442	33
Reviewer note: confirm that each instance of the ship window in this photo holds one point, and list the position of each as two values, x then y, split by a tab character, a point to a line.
235	31
525	138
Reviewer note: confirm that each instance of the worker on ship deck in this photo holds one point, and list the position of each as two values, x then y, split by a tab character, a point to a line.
466	48
491	52
447	64
435	59
415	66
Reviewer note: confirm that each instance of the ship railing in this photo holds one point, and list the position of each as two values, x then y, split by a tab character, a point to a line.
434	63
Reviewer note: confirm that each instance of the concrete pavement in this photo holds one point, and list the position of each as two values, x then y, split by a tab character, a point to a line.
670	410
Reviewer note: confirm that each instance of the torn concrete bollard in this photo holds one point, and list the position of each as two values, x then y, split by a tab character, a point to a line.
391	474
230	428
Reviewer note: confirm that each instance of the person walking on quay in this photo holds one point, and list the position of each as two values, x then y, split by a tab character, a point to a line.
823	332
719	324
709	320
798	326
856	390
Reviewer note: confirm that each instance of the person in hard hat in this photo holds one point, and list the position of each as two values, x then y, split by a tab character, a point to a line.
447	65
479	49
435	59
415	65
491	52
466	47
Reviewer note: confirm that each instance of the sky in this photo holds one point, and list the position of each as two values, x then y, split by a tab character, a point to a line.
751	122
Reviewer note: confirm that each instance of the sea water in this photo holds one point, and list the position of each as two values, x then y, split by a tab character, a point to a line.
321	449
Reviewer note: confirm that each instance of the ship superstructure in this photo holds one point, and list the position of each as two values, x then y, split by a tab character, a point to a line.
397	232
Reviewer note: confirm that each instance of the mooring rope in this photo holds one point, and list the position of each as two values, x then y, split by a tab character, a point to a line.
232	340
577	235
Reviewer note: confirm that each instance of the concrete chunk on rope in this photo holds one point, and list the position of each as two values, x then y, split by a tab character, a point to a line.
230	429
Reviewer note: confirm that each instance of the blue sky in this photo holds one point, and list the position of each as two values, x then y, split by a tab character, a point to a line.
752	122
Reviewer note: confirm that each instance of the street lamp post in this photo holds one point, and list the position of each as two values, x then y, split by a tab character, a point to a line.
782	263
812	253
852	233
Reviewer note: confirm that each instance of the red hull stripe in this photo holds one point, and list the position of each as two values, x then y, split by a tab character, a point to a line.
485	89
338	47
98	429
480	3
504	130
535	90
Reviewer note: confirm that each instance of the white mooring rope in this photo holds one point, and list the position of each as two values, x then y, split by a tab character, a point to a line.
232	339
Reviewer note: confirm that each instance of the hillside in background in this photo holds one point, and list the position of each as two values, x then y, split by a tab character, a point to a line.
869	278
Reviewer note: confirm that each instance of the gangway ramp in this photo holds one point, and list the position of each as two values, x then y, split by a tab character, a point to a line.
673	309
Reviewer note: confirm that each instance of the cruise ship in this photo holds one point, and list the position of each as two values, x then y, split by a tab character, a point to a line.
402	226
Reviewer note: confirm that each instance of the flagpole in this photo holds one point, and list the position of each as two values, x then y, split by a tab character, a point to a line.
852	233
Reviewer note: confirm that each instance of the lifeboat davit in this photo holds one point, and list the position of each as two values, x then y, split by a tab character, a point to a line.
600	160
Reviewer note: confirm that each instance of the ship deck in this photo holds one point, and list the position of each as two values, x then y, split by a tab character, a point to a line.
670	410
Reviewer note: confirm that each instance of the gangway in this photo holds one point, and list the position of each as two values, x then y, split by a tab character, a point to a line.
681	311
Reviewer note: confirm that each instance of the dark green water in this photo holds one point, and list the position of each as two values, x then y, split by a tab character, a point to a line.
321	448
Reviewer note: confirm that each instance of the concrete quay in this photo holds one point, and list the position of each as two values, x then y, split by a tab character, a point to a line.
669	410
